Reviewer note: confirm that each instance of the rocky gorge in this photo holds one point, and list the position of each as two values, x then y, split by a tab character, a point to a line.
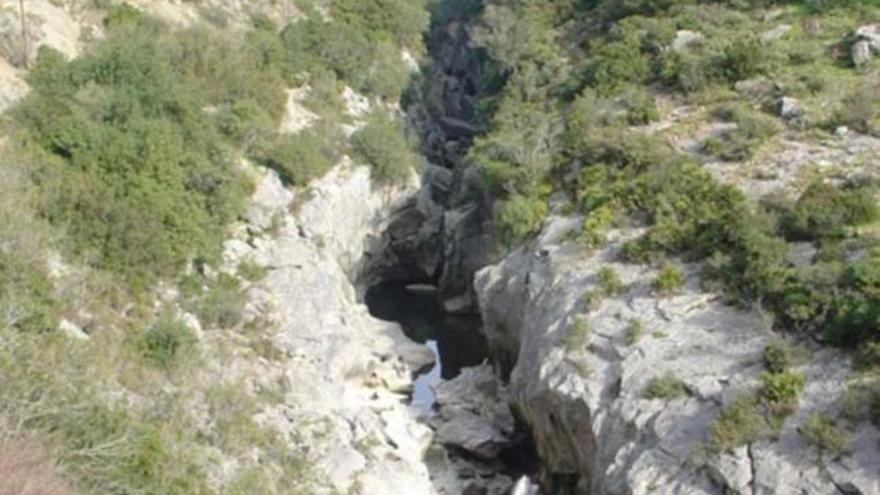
579	412
545	386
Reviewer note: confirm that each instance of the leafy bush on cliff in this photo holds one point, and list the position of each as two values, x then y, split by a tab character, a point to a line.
139	176
383	145
738	424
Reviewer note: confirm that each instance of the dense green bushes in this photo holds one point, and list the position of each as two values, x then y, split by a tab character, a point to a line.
167	340
752	130
824	211
382	144
362	45
130	164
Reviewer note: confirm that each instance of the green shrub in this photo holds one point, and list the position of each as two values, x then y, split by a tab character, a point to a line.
668	387
868	357
167	340
669	281
618	64
578	334
125	15
223	304
608	281
860	110
400	21
382	144
752	131
820	432
27	301
640	107
138	175
823	211
634	331
782	354
596	224
685	71
252	271
302	157
739	424
780	391
519	216
388	76
744	58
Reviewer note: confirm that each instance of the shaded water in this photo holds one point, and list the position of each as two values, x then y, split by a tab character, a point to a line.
455	339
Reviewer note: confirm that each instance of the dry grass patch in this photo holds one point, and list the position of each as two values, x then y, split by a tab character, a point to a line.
25	469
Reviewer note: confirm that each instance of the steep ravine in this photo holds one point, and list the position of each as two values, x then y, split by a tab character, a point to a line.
419	272
585	408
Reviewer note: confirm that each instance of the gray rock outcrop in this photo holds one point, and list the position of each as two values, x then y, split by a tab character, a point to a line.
597	433
345	371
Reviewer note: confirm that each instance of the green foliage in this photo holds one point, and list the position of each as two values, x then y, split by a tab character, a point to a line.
640	107
752	130
222	304
50	386
518	216
608	281
669	281
578	334
124	15
744	58
138	175
667	387
167	341
400	21
298	158
596	224
821	432
634	331
739	424
26	294
382	144
618	64
362	45
252	271
860	110
868	357
824	211
780	391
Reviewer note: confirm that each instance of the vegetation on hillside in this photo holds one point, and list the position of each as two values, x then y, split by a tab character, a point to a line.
576	82
120	175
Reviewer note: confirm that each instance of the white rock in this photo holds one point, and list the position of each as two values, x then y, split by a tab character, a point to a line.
270	198
685	39
356	104
871	34
790	108
296	117
72	330
861	52
776	33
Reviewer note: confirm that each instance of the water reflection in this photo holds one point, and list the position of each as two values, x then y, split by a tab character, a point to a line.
454	339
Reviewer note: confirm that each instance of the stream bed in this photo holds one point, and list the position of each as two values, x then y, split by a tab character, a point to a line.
454	339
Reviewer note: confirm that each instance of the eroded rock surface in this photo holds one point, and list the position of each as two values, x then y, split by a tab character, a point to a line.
594	429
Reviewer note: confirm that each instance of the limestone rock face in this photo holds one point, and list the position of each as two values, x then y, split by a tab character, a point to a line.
474	414
594	429
861	53
345	371
685	39
871	34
